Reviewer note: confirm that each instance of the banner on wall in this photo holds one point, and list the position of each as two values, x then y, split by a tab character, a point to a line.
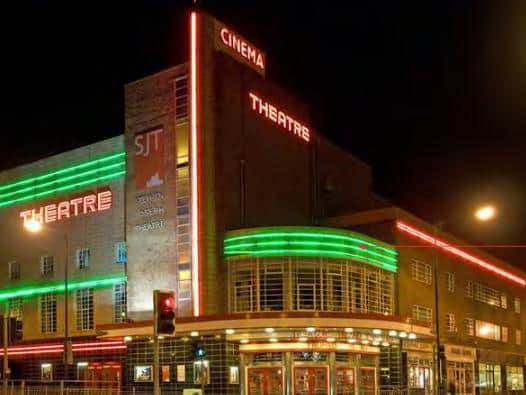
149	159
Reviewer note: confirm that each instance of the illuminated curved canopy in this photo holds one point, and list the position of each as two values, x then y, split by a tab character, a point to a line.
310	242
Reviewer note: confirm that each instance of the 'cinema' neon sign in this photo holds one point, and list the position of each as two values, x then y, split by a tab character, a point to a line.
279	117
86	204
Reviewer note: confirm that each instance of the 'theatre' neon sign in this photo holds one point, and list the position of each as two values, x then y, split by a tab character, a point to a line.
90	203
243	48
282	119
461	254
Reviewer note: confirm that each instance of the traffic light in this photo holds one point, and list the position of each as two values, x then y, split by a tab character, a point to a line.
164	312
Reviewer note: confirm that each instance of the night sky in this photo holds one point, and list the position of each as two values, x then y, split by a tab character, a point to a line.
431	93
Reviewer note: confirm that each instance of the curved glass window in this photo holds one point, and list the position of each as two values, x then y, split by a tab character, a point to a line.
308	284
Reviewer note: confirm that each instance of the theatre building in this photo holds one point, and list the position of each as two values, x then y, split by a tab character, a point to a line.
291	276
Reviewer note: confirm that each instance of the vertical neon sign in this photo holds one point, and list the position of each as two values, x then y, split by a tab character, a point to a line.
194	143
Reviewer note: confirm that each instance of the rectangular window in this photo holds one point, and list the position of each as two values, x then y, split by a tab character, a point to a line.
119	302
470	326
84	303
181	98
490	378
487	330
503	301
518	337
14	306
469	289
120	252
14	270
48	313
82	258
422	313
517	305
421	272
514	378
504	333
489	296
450	281
47	266
450	323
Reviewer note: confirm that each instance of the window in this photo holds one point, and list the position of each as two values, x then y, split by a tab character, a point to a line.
422	313
450	281
119	302
421	272
201	372
469	289
450	323
82	257
14	270
120	252
470	326
490	378
181	97
487	330
14	306
490	296
517	305
504	334
518	337
48	313
503	301
84	300
47	266
514	378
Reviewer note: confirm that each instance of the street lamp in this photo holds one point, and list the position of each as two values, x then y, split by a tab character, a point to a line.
482	214
34	226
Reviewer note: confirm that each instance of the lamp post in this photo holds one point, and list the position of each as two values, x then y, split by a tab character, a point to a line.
35	226
482	214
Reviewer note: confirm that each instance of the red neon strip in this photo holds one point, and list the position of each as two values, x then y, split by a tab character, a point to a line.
123	347
115	343
195	173
53	351
461	254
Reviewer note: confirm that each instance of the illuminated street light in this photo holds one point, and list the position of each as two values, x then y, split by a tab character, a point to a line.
485	213
33	226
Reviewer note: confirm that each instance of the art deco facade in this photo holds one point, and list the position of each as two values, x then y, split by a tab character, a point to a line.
288	270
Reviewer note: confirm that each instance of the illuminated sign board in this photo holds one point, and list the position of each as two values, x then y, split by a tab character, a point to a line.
85	204
279	117
232	43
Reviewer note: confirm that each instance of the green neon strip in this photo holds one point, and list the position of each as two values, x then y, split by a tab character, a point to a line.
62	180
310	242
69	169
64	188
314	234
60	287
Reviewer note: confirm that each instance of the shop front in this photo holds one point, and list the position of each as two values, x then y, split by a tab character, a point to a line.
460	365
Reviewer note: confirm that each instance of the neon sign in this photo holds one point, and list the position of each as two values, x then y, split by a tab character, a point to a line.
90	203
239	48
282	119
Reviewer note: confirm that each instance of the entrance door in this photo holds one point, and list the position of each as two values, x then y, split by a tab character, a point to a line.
460	377
345	381
311	380
367	381
265	381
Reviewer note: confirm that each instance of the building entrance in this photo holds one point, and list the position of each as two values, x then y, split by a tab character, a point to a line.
311	380
367	381
460	377
265	381
345	381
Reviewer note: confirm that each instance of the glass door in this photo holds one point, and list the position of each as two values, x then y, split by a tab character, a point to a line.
265	381
345	381
311	380
367	381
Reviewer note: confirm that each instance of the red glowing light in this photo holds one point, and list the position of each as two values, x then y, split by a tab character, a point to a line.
279	117
461	254
194	167
36	349
169	302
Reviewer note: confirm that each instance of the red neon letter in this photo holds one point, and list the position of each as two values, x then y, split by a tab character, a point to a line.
89	203
75	204
63	210
104	200
50	213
